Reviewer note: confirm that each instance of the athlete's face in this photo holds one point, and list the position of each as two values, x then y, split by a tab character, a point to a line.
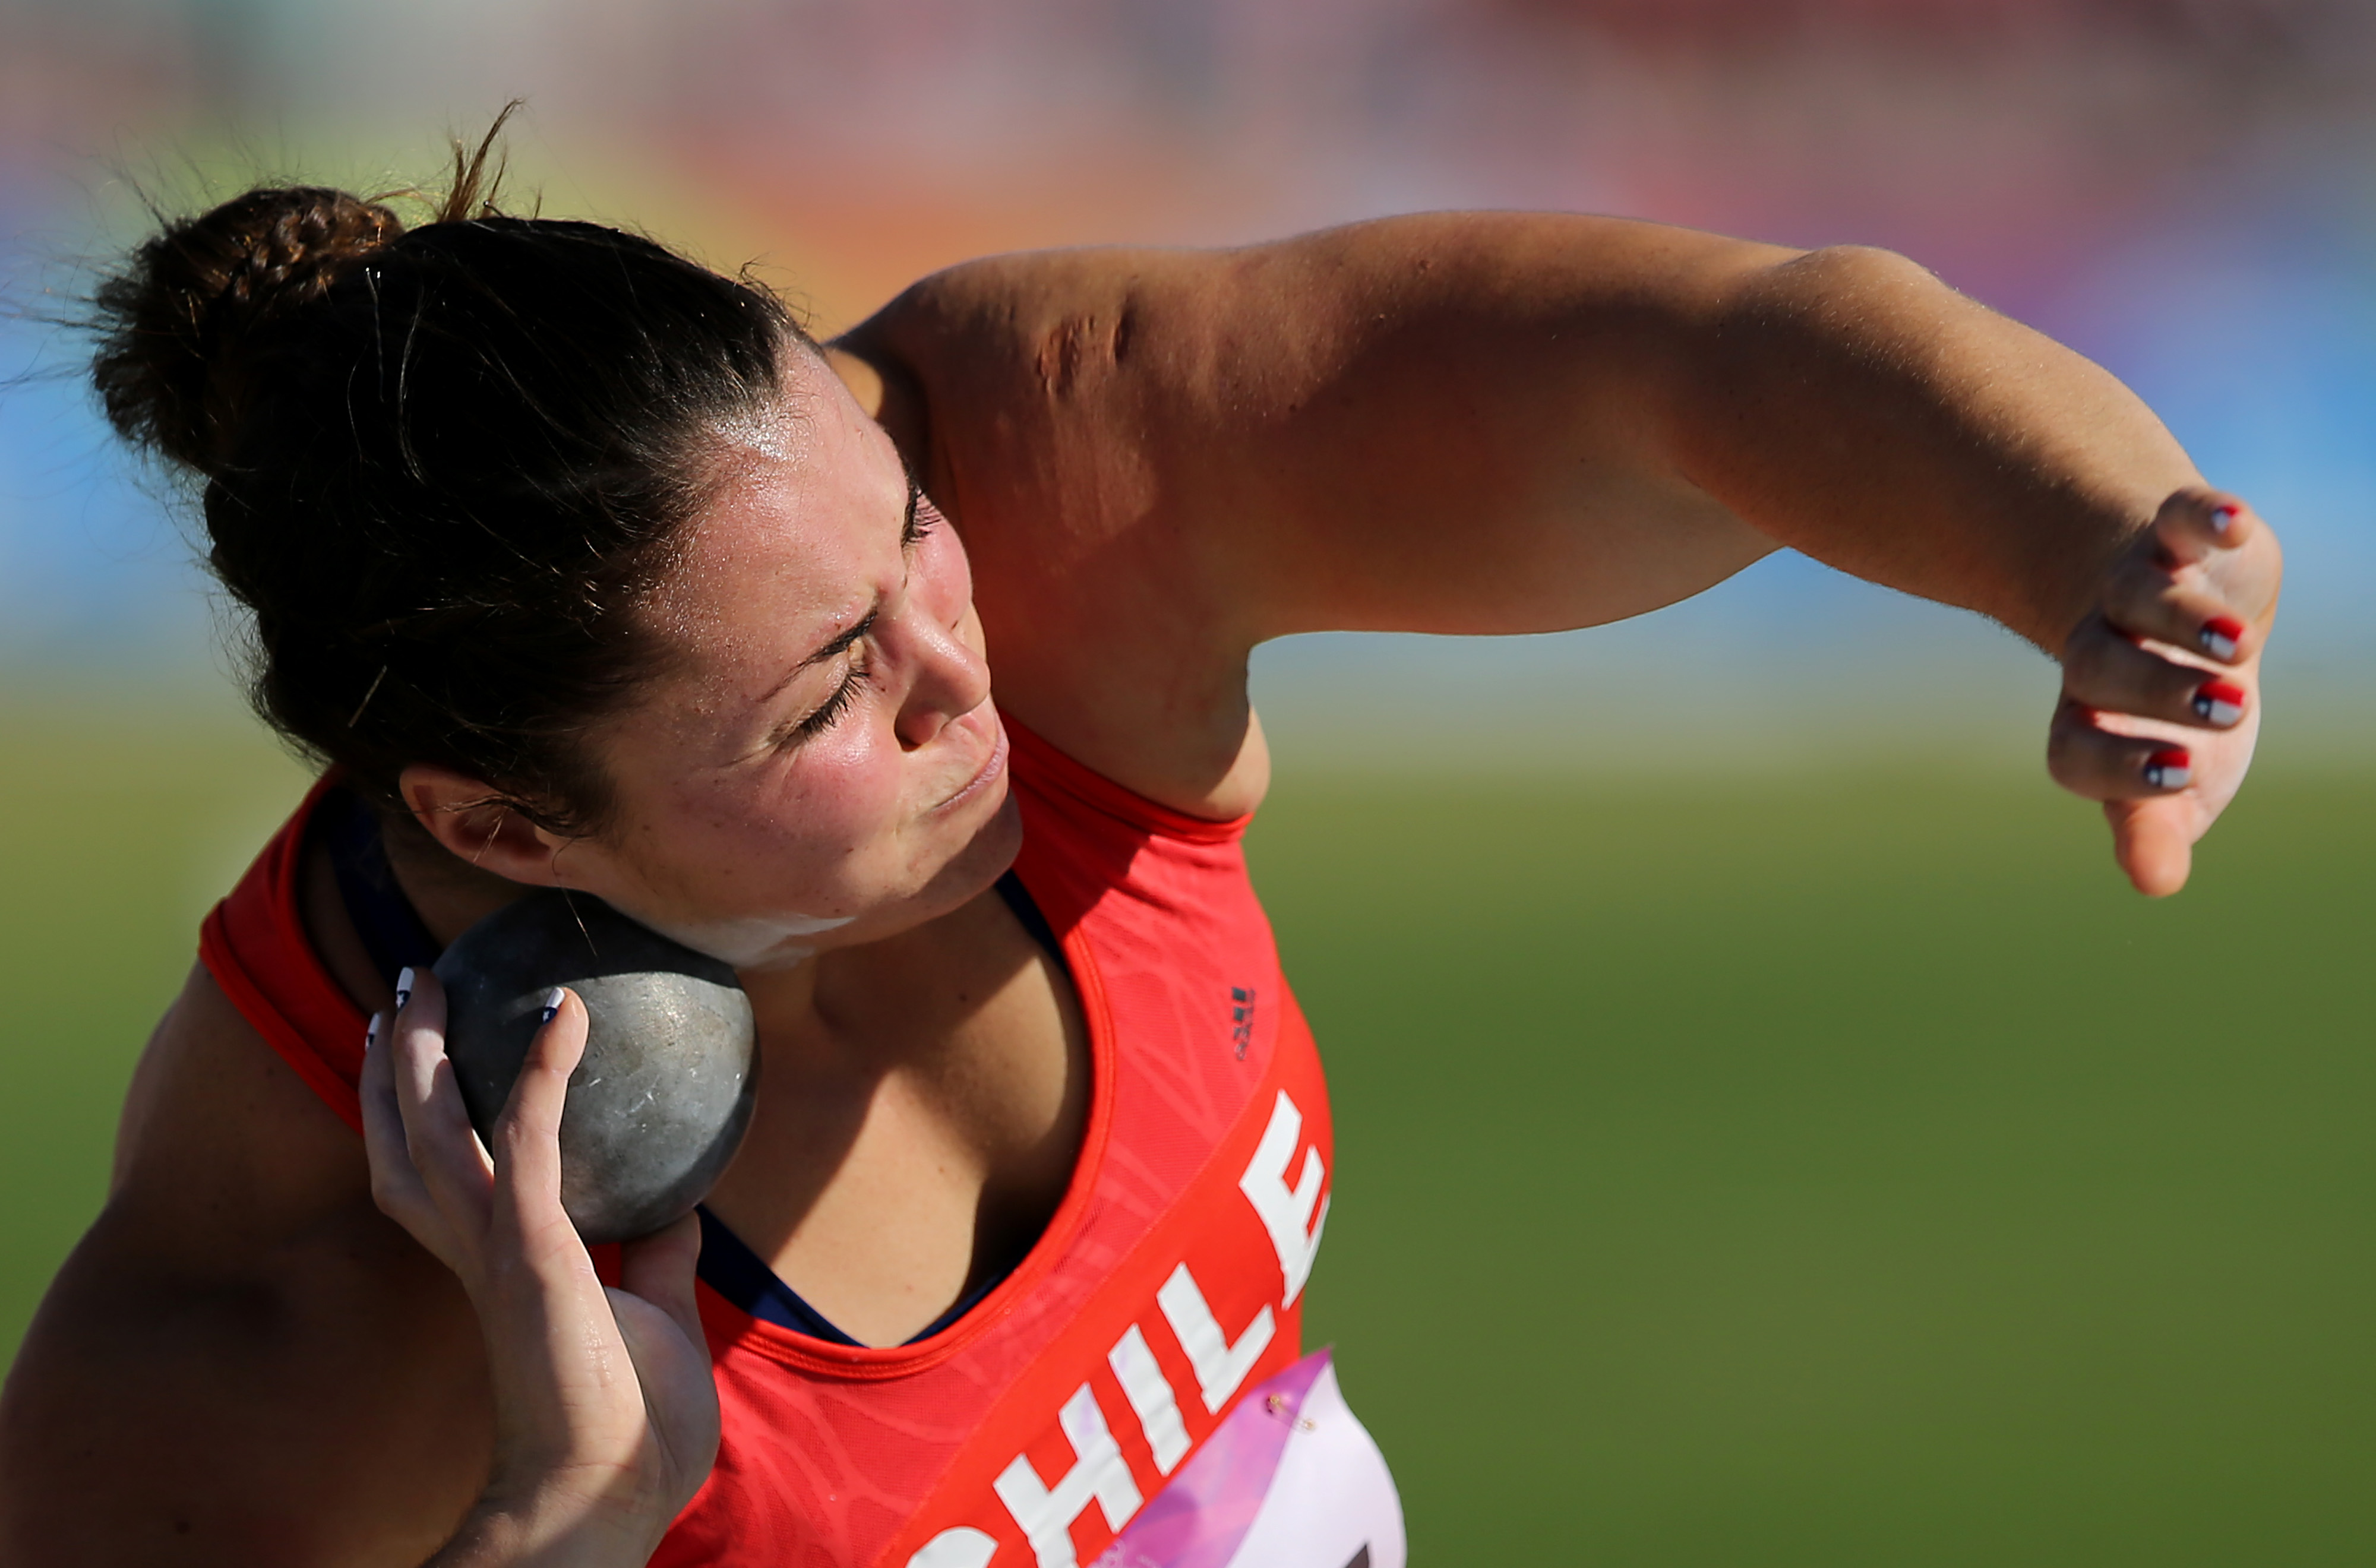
820	762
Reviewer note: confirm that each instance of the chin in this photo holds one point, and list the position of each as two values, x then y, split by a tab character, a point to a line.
977	863
964	875
775	940
982	860
754	944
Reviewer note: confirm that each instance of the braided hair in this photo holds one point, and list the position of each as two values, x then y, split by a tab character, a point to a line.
441	465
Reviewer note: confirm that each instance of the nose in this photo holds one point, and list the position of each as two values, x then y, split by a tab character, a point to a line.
949	678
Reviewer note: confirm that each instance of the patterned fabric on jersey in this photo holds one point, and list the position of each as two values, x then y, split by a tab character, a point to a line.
1134	1392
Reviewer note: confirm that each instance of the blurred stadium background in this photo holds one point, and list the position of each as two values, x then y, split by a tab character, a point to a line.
1770	1133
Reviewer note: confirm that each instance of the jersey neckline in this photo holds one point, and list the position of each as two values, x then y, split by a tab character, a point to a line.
879	1362
883	1362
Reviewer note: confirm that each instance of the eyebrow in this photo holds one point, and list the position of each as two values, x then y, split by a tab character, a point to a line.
832	649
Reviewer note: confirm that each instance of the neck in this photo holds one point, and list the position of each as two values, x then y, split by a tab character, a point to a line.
784	1002
843	1009
921	1114
449	895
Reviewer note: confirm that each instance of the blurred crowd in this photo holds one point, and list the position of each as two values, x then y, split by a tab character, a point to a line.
2181	188
1999	139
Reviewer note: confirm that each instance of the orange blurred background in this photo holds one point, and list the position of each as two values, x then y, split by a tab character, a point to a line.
2179	187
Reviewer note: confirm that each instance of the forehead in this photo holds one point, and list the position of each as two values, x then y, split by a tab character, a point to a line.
786	551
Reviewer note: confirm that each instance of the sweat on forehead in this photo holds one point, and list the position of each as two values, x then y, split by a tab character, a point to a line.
766	432
773	429
784	549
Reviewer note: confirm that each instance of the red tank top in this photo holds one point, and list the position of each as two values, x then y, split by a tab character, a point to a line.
1134	1390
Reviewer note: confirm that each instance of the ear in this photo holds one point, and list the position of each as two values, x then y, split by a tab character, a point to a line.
462	814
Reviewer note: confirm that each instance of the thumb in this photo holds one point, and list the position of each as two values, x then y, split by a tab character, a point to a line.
2152	841
659	1268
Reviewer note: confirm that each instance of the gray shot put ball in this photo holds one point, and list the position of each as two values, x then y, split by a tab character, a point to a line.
660	1103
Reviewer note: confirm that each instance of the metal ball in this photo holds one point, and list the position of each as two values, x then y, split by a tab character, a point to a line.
660	1101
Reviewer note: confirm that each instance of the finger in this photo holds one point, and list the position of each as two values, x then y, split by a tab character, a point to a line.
679	1392
2089	760
659	1268
2195	523
2153	842
660	1325
2145	598
444	1147
549	1322
395	1185
2103	669
527	1133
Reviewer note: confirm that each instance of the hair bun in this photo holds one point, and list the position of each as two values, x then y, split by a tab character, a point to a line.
176	323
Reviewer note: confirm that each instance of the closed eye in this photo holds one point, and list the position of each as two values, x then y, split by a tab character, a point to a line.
842	643
821	718
828	712
921	519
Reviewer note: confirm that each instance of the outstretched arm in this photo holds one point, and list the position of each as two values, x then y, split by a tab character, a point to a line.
1512	422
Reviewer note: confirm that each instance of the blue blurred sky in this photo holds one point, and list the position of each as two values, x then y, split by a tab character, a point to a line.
2181	189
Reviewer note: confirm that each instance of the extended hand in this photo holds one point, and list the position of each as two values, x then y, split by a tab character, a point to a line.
2161	682
606	1417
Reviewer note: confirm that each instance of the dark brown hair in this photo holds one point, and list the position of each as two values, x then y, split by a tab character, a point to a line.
441	464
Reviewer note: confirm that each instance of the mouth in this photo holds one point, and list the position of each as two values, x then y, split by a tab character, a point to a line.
993	767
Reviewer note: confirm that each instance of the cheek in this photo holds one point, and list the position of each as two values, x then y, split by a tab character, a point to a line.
818	826
803	833
844	789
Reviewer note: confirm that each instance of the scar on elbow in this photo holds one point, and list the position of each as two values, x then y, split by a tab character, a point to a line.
1081	344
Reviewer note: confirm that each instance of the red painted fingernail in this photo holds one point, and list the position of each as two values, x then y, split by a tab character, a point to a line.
2219	636
2168	769
2219	702
2223	515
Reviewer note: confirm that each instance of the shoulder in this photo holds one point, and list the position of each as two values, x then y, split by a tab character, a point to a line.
1038	398
242	1360
218	1133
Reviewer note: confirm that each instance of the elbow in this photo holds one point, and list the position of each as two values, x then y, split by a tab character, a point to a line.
1807	322
1860	261
1843	280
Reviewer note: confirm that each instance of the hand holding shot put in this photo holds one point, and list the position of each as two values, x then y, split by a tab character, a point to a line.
606	1422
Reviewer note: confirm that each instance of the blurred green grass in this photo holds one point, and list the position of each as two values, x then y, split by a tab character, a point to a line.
121	821
1844	1169
1816	1168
